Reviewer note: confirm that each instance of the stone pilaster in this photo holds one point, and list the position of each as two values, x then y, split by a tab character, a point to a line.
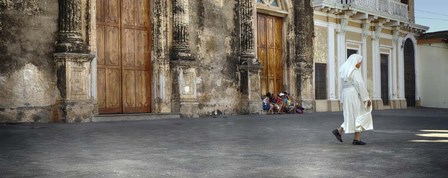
181	22
365	34
183	65
73	61
304	60
162	89
395	103
249	68
376	64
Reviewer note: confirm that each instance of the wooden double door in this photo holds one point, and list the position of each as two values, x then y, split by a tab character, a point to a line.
123	58
270	52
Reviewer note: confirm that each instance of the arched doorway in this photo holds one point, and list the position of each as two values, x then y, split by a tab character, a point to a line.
270	15
123	60
270	52
409	72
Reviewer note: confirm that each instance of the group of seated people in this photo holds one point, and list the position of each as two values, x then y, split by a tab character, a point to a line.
281	103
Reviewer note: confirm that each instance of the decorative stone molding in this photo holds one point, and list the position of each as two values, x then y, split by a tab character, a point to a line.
365	28
396	34
378	29
343	26
74	83
181	22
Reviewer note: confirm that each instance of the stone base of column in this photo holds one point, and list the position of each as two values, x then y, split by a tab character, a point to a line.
377	104
403	103
309	105
250	101
75	111
184	100
189	109
328	106
250	106
74	83
418	103
395	104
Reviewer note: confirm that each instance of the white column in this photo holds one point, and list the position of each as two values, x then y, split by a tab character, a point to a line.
401	71
331	64
395	51
341	45
376	63
365	34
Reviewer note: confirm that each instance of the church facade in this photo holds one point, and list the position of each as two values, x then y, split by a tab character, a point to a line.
74	60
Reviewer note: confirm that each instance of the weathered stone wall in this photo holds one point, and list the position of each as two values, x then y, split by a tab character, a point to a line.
214	43
27	73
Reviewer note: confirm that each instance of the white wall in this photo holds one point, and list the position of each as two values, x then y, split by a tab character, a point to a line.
433	75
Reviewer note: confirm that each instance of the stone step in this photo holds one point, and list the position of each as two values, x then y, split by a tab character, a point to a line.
134	117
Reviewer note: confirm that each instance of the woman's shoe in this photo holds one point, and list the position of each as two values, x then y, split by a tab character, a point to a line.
358	142
337	134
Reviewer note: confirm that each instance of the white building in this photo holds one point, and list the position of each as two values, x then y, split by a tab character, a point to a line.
384	33
433	69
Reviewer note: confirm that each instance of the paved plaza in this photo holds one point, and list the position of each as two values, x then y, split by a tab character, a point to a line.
405	143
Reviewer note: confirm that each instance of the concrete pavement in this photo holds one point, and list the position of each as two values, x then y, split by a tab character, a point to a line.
405	143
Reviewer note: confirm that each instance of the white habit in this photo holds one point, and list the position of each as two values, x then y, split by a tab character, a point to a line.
354	98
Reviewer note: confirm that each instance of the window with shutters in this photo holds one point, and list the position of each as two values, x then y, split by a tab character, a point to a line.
321	81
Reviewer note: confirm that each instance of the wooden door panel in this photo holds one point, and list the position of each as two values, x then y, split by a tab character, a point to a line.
128	56
100	10
112	46
142	13
100	42
142	94
129	89
142	54
278	31
113	91
101	82
112	11
128	12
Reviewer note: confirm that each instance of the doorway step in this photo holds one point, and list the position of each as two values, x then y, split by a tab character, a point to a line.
134	117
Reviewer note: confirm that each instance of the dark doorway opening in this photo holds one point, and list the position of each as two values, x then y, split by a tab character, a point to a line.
409	73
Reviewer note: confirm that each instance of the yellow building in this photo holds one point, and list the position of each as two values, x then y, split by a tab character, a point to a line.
384	33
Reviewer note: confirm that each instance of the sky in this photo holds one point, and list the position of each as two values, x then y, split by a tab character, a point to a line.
432	13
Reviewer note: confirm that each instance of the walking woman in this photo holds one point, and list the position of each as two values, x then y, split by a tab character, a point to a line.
355	101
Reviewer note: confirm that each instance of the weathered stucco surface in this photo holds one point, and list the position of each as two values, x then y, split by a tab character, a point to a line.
211	32
27	75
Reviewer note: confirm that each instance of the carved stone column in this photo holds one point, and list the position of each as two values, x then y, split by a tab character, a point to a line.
249	68
183	65
181	20
73	61
69	35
